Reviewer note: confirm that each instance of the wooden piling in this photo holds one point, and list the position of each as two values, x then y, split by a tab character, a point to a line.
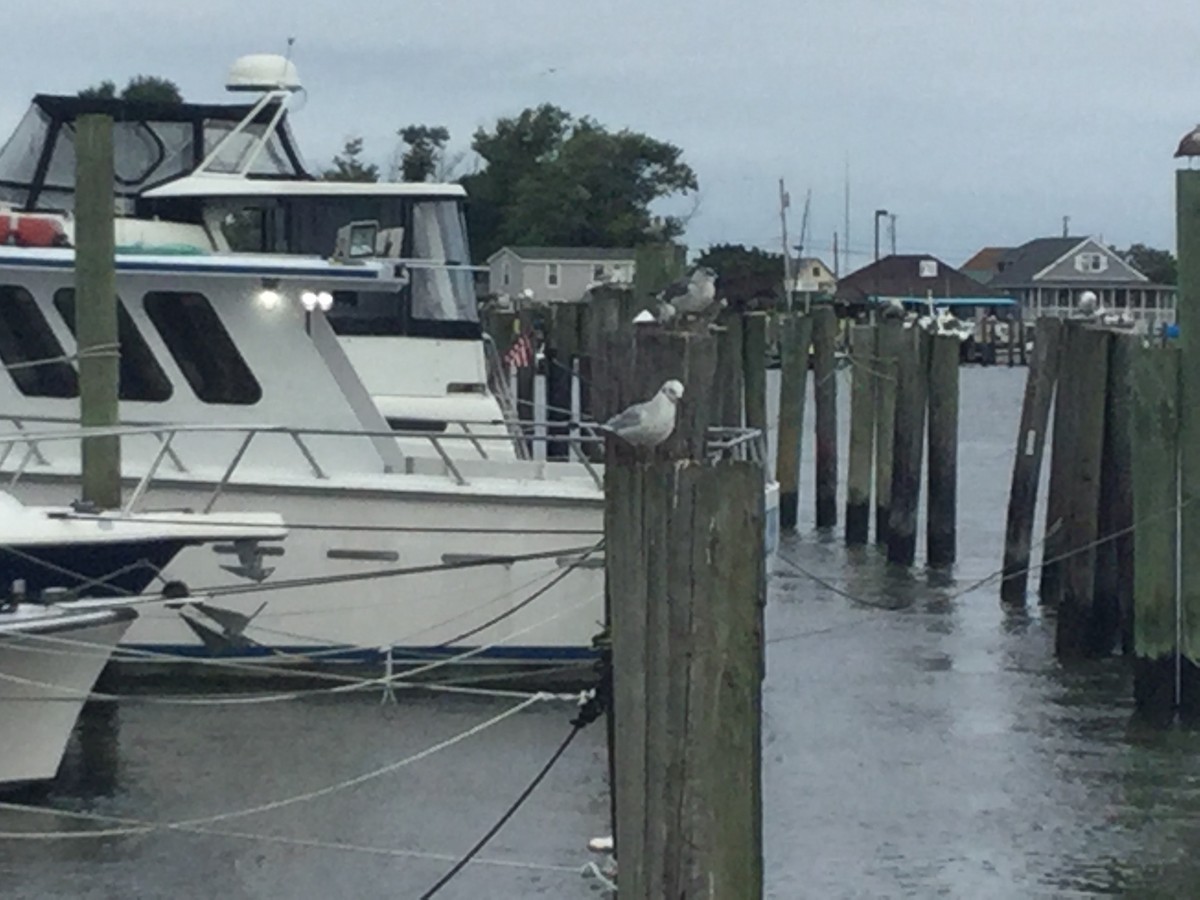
730	390
825	414
754	368
889	340
862	434
1080	632
1062	455
684	551
527	377
1155	454
1027	464
1114	555
908	446
1187	209
795	337
941	542
96	308
562	346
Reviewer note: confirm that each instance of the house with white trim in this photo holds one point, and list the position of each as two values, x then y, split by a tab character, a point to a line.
554	274
1048	275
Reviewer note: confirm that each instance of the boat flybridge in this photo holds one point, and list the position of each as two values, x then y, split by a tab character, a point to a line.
309	347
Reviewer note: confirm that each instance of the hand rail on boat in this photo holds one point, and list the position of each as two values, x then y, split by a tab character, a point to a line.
723	442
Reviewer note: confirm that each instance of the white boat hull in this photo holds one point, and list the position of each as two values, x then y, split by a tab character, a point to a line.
45	678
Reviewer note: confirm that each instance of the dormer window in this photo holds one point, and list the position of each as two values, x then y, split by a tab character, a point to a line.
551	274
1090	262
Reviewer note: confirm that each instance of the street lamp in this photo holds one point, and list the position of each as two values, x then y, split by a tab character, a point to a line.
879	214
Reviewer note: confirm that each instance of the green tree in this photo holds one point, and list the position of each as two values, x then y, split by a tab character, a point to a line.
426	147
550	178
348	166
139	89
744	273
105	90
1157	265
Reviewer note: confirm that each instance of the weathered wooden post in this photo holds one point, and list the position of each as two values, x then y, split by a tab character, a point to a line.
1027	465
583	366
96	308
862	433
825	413
908	446
754	368
683	555
527	375
795	337
941	541
730	392
1187	211
1080	633
1155	414
1062	458
1114	555
562	345
889	342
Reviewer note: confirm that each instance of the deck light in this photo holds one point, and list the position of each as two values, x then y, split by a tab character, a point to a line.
309	301
325	301
269	297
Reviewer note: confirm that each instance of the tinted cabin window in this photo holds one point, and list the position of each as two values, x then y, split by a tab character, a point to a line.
202	348
25	337
141	377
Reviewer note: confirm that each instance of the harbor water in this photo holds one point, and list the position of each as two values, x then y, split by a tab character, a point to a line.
918	742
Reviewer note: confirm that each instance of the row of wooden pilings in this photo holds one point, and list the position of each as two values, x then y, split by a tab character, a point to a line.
1121	541
684	544
903	391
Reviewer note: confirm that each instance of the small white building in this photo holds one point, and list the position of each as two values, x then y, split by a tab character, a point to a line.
556	273
813	276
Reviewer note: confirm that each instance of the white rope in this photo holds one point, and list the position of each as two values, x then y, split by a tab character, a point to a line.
96	351
280	839
190	824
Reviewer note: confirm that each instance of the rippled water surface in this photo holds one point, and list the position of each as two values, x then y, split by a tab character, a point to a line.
919	742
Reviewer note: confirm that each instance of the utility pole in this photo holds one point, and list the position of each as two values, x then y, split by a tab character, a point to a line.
836	270
879	214
784	202
96	308
892	231
846	221
1066	226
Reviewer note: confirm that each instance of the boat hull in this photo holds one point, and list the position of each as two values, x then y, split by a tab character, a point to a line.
47	669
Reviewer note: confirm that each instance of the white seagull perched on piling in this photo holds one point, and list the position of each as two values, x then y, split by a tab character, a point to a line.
689	296
651	422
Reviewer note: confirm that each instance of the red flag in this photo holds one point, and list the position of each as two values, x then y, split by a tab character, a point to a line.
520	354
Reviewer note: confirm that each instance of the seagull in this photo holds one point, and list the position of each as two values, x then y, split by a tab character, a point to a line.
650	423
691	295
1190	145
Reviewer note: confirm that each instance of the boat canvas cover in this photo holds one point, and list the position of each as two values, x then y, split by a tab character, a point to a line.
153	143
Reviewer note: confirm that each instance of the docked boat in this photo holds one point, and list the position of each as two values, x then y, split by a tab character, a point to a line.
309	347
69	579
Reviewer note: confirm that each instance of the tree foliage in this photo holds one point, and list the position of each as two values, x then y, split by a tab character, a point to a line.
1157	265
426	147
348	166
550	178
139	89
744	274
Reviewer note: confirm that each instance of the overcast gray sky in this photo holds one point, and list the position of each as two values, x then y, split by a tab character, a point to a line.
975	121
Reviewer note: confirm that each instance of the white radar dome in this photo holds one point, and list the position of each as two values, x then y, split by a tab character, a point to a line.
263	72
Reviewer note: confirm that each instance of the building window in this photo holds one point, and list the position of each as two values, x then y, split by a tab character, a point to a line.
141	377
26	337
202	348
551	274
1091	262
597	272
816	272
506	275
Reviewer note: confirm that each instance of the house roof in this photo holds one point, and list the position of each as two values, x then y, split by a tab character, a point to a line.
985	262
812	261
1020	264
900	276
570	254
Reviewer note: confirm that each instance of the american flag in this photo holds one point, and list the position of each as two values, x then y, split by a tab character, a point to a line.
520	354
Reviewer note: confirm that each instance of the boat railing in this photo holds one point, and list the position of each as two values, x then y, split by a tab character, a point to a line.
736	443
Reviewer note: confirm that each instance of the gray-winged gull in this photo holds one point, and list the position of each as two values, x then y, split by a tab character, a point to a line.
689	296
651	422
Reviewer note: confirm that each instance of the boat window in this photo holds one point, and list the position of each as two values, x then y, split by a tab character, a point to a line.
25	338
375	313
442	294
141	377
202	348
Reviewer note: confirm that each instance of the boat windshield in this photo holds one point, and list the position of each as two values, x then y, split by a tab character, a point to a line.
440	235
